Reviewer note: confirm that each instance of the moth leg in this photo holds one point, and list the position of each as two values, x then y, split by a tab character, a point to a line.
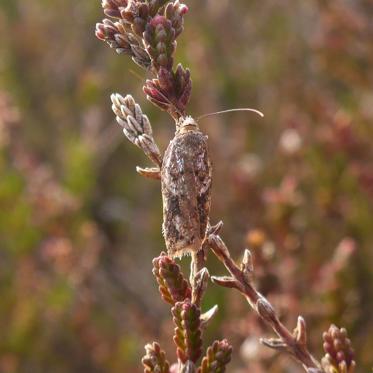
150	173
136	126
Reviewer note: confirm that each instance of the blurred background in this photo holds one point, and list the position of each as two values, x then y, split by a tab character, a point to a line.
79	227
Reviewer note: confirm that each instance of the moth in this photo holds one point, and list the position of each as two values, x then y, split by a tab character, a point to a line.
186	189
185	173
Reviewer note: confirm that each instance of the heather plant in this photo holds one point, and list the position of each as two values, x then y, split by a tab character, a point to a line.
147	32
78	230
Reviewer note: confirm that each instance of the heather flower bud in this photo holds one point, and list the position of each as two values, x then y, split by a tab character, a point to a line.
247	266
129	12
186	317
156	95
111	33
136	125
300	331
339	355
117	36
112	7
265	310
171	91
217	357
172	284
136	14
175	13
200	285
183	86
155	359
160	42
218	246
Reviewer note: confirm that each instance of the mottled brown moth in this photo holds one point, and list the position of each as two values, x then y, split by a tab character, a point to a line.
186	189
184	171
186	178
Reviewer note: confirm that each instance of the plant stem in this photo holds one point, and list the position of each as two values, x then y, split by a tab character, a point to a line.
293	343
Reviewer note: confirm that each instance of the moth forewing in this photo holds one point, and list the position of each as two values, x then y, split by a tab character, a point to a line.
186	189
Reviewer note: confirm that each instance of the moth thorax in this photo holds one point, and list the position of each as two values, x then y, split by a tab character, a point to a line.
186	124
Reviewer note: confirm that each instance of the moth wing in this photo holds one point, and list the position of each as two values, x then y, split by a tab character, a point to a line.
186	186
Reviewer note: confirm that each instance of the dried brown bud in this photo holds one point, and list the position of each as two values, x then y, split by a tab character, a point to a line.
155	359
339	355
186	317
217	357
172	284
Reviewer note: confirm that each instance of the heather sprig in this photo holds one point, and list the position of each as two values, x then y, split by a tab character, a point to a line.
339	355
117	36
155	359
136	126
217	357
241	279
160	42
170	91
172	284
186	311
147	32
186	317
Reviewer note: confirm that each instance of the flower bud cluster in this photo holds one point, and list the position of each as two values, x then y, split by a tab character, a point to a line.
186	317
147	30
217	357
339	355
171	90
172	284
117	36
155	359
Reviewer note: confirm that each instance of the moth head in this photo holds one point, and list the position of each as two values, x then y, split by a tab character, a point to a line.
186	124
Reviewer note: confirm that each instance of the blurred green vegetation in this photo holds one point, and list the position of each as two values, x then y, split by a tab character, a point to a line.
78	226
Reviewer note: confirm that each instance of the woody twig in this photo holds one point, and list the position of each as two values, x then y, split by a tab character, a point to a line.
241	279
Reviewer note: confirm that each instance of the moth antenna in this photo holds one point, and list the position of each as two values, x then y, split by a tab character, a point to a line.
231	110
